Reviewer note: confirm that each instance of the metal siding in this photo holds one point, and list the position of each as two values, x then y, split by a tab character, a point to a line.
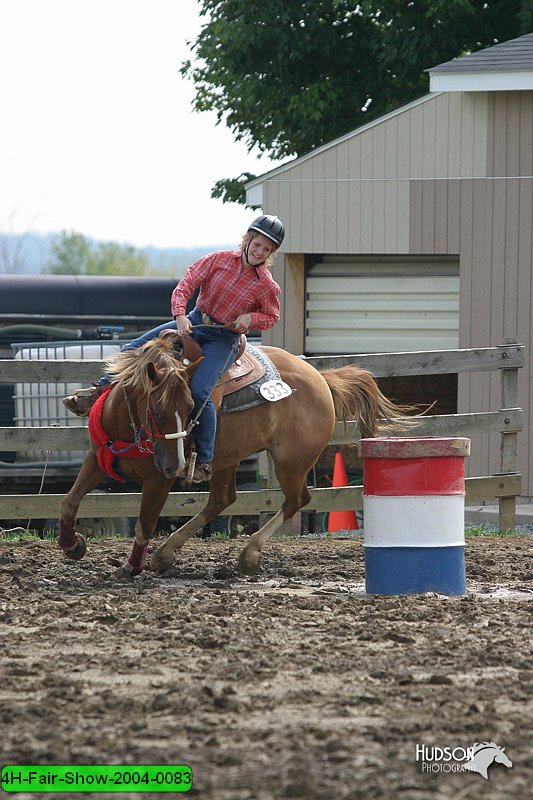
404	145
526	133
416	142
524	331
331	212
341	223
455	122
403	216
429	136
307	209
378	217
441	137
346	195
390	158
452	140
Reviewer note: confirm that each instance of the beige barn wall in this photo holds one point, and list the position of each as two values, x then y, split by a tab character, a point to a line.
489	222
353	196
448	174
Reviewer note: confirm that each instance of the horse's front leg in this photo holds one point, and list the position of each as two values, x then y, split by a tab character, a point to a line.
222	493
90	475
153	498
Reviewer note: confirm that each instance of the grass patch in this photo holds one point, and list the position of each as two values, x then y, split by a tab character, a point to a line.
481	531
23	535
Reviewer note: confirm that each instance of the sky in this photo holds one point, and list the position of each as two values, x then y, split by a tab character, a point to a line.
98	134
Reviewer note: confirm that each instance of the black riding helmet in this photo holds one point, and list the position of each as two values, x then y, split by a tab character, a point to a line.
269	226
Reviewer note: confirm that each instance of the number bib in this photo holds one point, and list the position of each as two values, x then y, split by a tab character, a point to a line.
275	390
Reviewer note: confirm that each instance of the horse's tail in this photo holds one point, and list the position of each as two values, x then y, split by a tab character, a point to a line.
357	396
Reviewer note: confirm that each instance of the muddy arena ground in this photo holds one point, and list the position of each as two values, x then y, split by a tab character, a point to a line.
294	684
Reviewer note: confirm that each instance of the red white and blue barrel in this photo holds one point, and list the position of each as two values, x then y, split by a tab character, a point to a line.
413	503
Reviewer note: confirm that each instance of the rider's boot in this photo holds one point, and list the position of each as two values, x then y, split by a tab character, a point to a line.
202	473
81	402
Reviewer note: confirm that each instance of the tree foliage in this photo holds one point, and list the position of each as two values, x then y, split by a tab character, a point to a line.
73	254
288	76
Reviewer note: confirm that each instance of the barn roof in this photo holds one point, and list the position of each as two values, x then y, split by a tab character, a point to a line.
514	54
501	68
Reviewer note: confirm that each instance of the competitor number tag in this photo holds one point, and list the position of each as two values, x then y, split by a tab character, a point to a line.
275	390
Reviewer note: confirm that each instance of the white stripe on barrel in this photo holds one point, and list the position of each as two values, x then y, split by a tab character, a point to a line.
413	500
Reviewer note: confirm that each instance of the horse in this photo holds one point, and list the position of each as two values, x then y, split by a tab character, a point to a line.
151	384
484	754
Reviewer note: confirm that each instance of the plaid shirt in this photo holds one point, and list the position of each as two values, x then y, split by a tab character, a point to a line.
227	290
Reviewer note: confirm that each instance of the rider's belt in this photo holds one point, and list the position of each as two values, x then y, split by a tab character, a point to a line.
207	319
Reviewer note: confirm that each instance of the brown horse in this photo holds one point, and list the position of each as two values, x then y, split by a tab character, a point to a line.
153	386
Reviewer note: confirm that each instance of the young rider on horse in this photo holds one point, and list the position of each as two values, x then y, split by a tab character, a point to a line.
236	292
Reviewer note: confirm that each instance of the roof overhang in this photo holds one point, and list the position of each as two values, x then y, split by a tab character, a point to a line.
477	81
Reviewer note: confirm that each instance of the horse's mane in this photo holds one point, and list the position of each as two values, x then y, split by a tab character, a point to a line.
130	367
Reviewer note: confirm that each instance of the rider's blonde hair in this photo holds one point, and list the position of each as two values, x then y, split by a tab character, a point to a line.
247	238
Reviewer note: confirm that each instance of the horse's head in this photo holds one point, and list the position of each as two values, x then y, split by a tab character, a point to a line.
165	410
501	757
156	384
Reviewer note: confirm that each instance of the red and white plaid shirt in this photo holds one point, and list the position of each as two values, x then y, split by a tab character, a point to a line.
227	290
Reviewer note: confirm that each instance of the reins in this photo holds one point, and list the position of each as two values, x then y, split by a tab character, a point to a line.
234	348
149	430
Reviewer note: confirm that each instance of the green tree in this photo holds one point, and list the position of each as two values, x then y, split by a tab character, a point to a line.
288	75
72	254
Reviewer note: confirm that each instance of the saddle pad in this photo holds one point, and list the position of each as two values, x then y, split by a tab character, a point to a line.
249	396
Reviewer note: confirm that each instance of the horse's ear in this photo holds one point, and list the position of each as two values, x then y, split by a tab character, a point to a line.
152	373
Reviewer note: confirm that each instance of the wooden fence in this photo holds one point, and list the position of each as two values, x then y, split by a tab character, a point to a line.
505	486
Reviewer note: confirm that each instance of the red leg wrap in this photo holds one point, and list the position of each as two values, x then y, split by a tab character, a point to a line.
67	535
137	558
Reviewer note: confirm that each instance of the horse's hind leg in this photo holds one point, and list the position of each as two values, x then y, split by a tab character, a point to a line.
221	495
90	475
293	482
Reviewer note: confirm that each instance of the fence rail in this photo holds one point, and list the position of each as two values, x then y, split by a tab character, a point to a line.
506	421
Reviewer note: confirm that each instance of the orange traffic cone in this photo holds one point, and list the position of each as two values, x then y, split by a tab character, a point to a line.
341	520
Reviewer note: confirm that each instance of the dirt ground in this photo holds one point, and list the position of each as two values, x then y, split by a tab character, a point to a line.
294	684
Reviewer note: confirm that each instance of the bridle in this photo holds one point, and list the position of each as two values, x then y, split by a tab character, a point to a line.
146	434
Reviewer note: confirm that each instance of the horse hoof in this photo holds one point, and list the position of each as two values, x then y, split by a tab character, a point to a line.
78	550
124	573
161	561
249	562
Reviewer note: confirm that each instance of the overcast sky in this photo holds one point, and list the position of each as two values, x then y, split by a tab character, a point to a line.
97	132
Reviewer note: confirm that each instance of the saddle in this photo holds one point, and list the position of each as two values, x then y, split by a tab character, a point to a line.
245	370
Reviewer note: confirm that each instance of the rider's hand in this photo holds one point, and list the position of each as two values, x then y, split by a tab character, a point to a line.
242	324
183	324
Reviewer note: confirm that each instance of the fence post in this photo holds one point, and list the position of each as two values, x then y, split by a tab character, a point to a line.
508	441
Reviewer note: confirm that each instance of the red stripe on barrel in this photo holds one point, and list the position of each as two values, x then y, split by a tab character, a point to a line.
414	466
414	476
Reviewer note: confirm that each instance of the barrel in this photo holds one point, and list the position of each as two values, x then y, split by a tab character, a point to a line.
413	503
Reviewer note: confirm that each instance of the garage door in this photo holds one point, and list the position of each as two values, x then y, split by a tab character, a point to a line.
381	305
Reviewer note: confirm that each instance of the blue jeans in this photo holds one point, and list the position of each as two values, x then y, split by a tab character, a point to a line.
220	346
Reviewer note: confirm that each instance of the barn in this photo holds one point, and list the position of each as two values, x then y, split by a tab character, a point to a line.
414	232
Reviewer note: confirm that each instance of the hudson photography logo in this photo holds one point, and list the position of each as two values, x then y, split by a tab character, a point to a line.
476	758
